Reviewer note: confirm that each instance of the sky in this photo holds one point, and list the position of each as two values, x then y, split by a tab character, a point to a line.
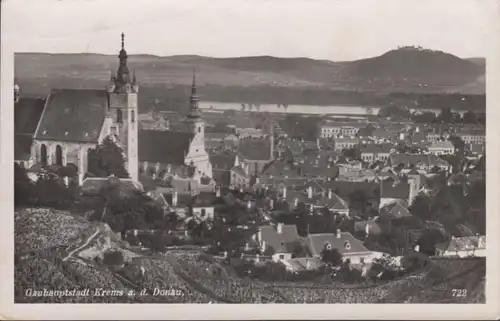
321	29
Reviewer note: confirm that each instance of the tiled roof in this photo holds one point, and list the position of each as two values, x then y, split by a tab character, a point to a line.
27	114
317	243
344	188
377	148
255	149
463	243
394	210
222	161
445	144
22	147
427	160
165	147
477	148
278	241
397	190
73	115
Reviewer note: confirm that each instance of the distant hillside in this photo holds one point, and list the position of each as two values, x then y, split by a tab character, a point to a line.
478	61
399	70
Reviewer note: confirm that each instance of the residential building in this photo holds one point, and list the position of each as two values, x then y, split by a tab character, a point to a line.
279	240
441	148
372	153
345	143
348	246
463	246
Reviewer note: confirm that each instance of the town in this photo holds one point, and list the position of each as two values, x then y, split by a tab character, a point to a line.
246	205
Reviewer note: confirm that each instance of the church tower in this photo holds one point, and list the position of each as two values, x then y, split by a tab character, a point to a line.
123	111
195	124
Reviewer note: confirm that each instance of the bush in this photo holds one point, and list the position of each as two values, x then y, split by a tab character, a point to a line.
113	258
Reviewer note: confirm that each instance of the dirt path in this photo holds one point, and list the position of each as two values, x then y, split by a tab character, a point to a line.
90	239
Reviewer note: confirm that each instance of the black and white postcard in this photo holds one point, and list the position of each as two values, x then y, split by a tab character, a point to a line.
304	156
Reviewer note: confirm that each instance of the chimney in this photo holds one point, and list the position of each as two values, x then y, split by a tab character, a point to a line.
271	203
257	258
259	235
66	181
329	193
135	232
174	198
296	202
217	191
225	254
280	228
247	246
308	264
339	234
284	192
310	192
417	248
311	209
417	130
249	204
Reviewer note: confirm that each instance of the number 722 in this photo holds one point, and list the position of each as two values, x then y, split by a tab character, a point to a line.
459	292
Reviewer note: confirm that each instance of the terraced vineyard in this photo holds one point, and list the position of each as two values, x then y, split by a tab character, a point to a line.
54	251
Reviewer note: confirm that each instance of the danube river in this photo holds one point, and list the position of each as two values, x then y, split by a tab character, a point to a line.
291	109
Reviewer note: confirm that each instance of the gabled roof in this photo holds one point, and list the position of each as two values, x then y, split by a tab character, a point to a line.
317	243
394	210
397	190
165	147
73	115
27	114
255	149
463	243
279	241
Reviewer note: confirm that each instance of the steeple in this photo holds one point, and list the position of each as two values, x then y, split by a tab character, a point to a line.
194	111
123	74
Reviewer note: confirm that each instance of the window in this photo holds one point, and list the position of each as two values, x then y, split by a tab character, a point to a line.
282	256
203	212
199	129
132	116
119	116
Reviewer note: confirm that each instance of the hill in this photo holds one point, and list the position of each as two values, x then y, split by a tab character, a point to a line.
56	250
401	70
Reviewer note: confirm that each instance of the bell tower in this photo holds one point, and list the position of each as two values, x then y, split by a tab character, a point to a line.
122	113
196	125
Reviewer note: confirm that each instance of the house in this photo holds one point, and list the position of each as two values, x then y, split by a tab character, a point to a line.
463	246
441	148
345	143
257	153
279	240
372	153
348	246
473	136
401	190
229	171
200	206
418	161
394	210
334	129
327	199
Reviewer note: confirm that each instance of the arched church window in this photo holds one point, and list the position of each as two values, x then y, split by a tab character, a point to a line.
119	116
199	129
59	160
132	116
43	154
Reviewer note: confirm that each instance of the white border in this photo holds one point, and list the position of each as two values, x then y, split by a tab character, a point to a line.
490	310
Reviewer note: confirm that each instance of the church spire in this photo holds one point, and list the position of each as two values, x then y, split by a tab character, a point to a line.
123	75
194	111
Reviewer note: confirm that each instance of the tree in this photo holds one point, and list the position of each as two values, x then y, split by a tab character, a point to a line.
358	199
446	115
331	257
51	191
422	207
107	159
352	153
24	188
470	117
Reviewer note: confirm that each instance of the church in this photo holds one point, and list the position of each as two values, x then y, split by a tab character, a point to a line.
62	128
